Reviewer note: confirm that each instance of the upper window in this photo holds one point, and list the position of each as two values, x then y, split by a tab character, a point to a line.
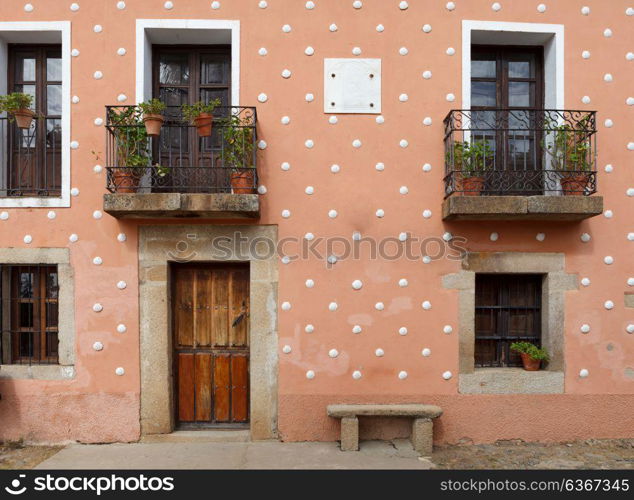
508	309
29	312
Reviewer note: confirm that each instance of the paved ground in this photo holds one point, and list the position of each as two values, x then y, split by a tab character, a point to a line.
188	450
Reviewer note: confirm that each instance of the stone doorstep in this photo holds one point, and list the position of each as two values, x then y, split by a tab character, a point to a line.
554	208
217	205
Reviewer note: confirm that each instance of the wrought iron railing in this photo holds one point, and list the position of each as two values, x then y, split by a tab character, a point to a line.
30	159
178	160
520	152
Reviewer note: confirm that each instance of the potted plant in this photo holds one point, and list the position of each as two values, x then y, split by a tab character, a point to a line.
571	152
201	115
237	134
18	106
470	163
532	356
153	116
131	148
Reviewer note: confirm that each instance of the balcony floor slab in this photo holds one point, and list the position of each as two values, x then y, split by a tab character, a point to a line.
182	205
548	208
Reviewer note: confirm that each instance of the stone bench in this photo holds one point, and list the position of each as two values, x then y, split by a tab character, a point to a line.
422	428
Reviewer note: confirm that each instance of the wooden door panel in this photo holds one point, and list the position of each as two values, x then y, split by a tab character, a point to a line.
186	387
222	387
203	307
203	387
183	307
239	311
239	388
220	328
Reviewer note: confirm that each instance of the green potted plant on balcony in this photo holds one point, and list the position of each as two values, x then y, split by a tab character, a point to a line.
238	153
570	149
18	106
532	356
200	114
153	116
470	162
131	148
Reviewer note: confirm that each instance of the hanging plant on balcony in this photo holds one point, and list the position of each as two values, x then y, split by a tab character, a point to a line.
571	151
131	148
153	116
470	163
239	150
532	356
201	115
18	106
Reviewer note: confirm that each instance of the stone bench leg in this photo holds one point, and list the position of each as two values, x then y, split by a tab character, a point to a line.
423	436
349	434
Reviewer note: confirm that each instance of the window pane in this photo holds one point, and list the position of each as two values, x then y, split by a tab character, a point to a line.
213	71
26	315
519	94
174	69
54	69
26	344
520	69
483	94
25	69
483	69
26	285
54	134
51	315
52	286
54	99
52	342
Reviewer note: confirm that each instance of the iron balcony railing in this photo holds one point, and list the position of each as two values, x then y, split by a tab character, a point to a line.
178	160
30	159
520	152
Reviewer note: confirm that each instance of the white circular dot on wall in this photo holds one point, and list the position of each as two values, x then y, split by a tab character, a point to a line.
494	236
427	121
333	353
357	284
74	53
450	6
121	237
426	352
285	120
121	5
309	328
98	75
380	213
540	236
585	54
426	305
402	236
609	169
4	215
585	281
356	374
403	51
28	239
379	306
427	75
630	282
286	306
286	73
122	98
450	51
51	215
263	97
427	28
332	214
608	260
403	143
583	373
403	283
447	236
585	99
333	27
262	51
450	97
607	33
496	6
585	10
309	236
310	283
357	4
585	328
97	346
97	214
380	166
97	261
629	56
585	237
73	238
97	307
335	169
608	77
333	306
380	120
287	28
609	305
309	143
541	8
97	28
310	5
121	285
447	375
426	167
356	329
97	169
403	5
74	7
75	99
121	328
427	214
356	51
98	122
309	97
286	349
120	371
262	144
309	51
310	374
608	214
333	120
402	375
168	5
629	11
28	7
402	331
403	98
285	166
379	353
447	329
74	145
380	28
629	328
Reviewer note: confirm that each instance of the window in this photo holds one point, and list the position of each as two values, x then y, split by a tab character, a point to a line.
29	299
507	310
33	162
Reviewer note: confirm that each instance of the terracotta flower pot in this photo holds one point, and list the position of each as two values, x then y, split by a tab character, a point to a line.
530	364
153	124
23	117
243	182
472	186
203	124
574	184
125	180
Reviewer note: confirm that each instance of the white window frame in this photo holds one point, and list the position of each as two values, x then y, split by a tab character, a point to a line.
144	50
64	29
553	55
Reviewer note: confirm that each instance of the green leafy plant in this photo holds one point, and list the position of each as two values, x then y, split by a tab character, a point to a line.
15	101
538	353
161	170
193	111
471	158
570	147
152	107
131	139
237	134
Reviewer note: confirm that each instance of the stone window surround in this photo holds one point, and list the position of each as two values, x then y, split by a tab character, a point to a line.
160	245
555	283
65	369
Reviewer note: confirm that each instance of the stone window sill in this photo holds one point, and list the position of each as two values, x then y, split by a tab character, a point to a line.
511	381
37	372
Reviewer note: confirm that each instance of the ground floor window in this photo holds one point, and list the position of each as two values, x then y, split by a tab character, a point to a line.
507	309
29	314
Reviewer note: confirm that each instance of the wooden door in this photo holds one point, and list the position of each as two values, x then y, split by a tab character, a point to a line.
211	343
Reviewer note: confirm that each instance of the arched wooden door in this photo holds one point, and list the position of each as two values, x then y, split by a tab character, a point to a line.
211	343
